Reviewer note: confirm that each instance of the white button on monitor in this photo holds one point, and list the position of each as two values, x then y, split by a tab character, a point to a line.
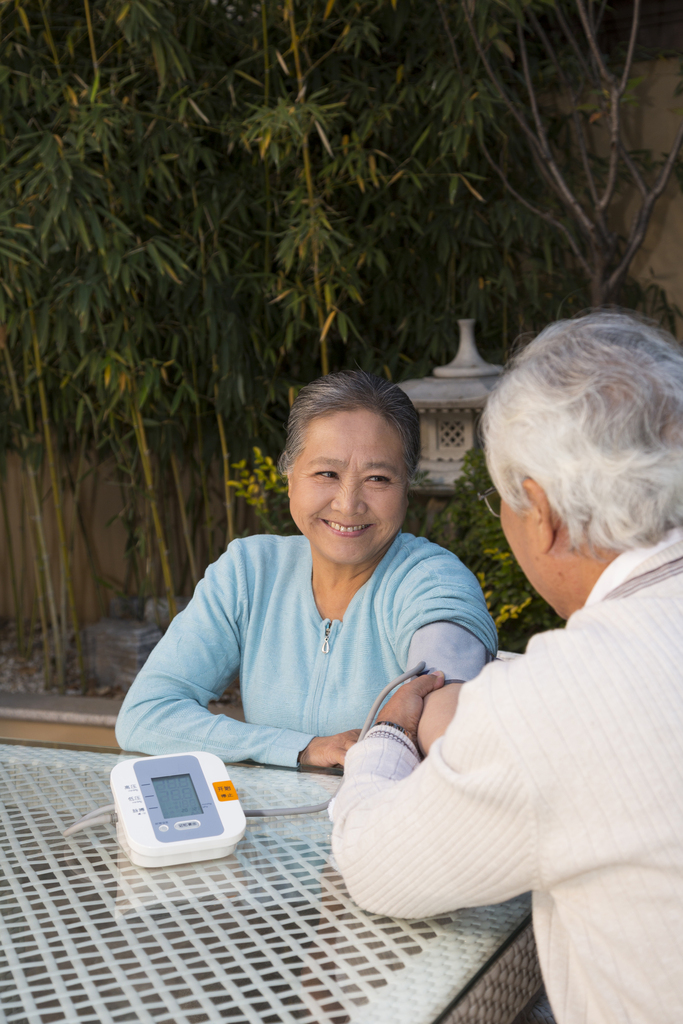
163	828
183	825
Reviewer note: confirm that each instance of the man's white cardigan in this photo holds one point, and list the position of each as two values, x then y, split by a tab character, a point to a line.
561	773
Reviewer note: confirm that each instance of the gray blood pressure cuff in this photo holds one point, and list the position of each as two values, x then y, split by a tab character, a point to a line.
449	648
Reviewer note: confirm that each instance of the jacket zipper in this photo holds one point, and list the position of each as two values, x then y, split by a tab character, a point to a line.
326	641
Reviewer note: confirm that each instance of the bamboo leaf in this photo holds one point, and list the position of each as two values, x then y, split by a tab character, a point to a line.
324	138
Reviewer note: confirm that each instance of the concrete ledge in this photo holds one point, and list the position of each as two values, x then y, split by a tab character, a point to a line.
61	709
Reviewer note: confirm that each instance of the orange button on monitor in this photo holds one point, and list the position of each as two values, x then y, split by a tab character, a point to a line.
225	791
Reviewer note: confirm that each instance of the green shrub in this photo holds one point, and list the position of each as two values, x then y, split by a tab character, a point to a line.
264	488
467	528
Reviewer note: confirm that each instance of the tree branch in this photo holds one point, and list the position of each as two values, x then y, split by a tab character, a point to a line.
604	71
641	222
616	92
633	169
545	161
546	215
576	121
631	47
569	35
512	109
560	185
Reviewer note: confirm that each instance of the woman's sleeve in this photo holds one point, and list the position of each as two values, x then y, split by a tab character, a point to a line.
166	709
436	587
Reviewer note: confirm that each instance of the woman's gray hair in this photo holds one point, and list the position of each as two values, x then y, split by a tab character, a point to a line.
592	410
344	392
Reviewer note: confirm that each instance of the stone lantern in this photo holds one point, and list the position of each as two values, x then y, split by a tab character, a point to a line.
449	404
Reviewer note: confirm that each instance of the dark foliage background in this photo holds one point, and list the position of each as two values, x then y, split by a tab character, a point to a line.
205	205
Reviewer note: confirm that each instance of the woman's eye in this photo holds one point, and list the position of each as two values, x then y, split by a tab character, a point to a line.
379	479
328	474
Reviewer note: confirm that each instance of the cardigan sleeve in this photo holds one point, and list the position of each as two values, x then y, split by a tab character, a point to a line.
435	586
166	709
456	831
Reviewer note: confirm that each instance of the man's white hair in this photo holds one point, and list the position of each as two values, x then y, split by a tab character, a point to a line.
592	410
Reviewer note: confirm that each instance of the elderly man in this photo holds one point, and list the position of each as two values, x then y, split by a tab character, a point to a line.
562	771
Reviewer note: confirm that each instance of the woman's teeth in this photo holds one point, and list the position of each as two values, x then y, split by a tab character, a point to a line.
346	529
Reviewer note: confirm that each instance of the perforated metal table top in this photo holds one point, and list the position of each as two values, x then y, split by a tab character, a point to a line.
267	935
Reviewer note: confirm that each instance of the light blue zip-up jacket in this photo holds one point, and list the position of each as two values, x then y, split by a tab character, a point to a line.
254	615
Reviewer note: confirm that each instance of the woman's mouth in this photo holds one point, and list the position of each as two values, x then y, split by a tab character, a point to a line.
348	530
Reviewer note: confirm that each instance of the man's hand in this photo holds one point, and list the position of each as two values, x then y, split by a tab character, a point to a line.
406	706
329	751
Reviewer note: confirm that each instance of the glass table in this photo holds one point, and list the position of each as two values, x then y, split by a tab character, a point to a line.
264	936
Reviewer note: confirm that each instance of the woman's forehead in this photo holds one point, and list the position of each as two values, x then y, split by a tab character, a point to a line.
347	427
358	436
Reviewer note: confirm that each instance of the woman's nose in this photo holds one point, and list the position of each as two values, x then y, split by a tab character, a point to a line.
348	500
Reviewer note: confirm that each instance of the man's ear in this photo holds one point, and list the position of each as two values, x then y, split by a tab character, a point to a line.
540	516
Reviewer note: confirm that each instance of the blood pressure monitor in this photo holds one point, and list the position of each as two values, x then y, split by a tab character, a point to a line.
176	809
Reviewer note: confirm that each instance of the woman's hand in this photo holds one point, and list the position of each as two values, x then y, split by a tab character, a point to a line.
329	751
437	715
406	706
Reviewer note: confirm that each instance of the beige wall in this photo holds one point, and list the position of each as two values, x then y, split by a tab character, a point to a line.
100	501
652	125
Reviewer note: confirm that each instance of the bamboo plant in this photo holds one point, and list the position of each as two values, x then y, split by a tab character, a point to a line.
202	208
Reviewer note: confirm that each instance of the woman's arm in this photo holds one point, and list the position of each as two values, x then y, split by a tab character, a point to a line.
455	651
166	709
438	710
165	713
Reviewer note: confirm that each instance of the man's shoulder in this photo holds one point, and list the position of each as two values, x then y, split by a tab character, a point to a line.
614	649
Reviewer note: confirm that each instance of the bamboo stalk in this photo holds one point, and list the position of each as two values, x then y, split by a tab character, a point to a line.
28	637
40	574
324	357
46	584
141	438
230	529
128	513
18	610
78	515
91	37
41	558
48	34
266	97
57	501
183	518
32	625
202	467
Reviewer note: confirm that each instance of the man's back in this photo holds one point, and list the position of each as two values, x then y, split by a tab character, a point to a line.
605	699
562	772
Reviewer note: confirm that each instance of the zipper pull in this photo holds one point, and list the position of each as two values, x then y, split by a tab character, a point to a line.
326	641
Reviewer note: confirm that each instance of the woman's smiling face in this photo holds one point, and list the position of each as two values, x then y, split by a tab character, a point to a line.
348	488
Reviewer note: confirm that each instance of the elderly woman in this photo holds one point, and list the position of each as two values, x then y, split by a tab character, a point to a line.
562	771
315	625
